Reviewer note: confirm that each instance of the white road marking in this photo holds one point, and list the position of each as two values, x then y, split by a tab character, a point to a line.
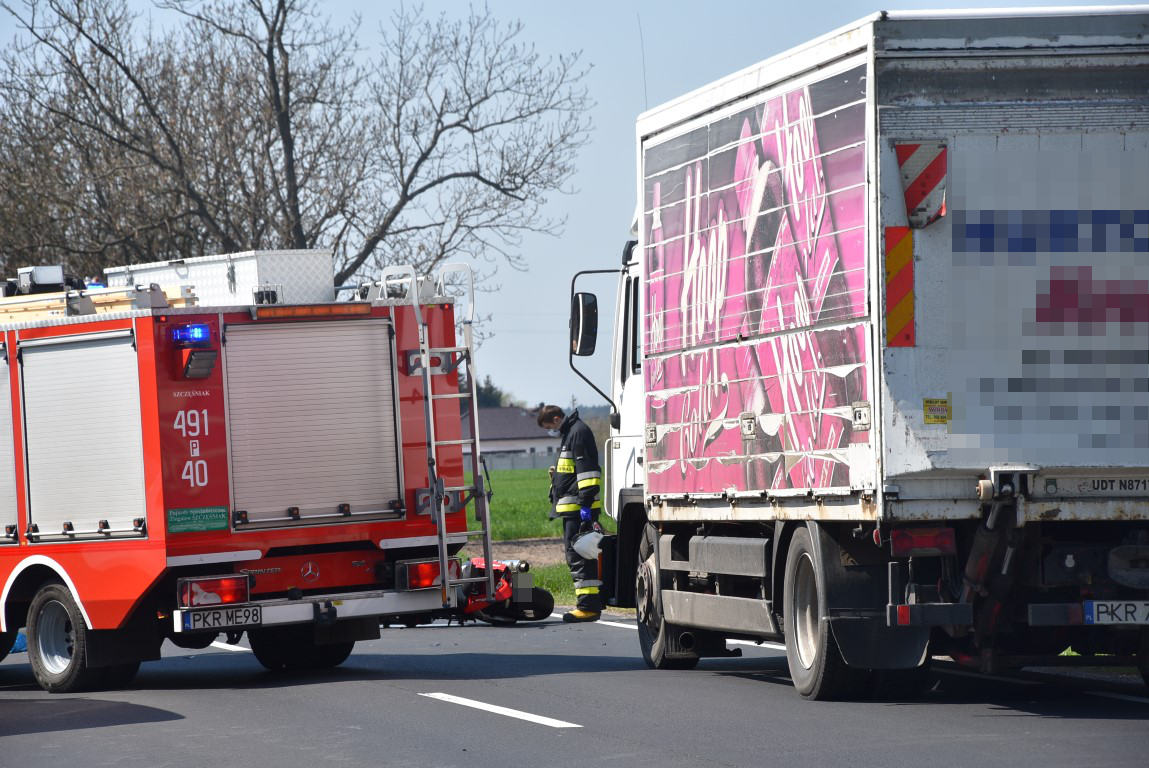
501	710
1121	696
226	647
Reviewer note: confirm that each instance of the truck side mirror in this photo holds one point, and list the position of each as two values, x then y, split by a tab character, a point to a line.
583	324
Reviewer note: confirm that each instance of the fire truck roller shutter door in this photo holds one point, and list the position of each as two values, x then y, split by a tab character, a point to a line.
82	426
7	457
321	394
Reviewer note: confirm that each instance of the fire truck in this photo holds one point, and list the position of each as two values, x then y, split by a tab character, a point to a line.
175	467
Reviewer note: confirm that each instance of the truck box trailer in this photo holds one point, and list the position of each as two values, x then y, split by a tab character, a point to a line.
881	353
289	470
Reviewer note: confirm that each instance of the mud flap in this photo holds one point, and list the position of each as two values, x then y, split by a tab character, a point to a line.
856	598
869	644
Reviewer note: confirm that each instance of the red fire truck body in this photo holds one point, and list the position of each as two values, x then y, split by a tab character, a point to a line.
180	472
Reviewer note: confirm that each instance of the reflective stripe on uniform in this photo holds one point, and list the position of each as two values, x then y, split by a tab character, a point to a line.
565	466
567	508
587	587
588	475
593	481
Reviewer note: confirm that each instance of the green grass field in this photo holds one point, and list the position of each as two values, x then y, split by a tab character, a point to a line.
520	506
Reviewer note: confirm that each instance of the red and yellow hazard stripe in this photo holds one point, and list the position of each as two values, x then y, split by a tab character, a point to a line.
899	287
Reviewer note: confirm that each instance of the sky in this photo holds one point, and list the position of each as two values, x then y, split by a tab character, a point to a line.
683	45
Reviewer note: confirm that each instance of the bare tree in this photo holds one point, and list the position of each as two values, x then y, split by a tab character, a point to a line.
260	125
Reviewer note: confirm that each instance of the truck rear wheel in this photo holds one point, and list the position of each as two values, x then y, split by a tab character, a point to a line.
816	665
58	642
653	631
294	647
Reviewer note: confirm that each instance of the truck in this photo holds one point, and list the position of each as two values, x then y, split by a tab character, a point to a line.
880	354
177	470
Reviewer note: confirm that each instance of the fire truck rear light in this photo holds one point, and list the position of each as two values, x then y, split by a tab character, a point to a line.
917	542
421	574
903	615
139	525
10	531
265	312
212	590
68	527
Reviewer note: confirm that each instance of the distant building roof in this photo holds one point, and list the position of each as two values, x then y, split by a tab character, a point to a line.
506	424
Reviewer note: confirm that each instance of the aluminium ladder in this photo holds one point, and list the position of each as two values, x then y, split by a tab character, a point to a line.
449	358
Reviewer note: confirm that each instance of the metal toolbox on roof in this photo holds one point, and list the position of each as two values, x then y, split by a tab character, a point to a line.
250	277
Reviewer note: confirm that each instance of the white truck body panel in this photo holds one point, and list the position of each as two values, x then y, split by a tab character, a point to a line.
1026	343
301	276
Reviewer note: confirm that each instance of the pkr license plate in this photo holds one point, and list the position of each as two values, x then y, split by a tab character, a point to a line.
223	618
1125	612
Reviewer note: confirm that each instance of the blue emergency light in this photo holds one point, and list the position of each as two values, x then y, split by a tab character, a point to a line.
191	335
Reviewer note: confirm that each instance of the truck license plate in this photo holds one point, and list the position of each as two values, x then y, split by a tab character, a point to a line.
223	618
1116	612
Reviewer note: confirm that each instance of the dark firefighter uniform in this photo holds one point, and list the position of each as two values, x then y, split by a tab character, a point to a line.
577	483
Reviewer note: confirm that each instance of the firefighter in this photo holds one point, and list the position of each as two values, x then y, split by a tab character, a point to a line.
576	484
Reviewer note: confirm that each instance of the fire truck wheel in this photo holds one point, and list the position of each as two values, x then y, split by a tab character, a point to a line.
816	665
293	647
58	642
325	656
653	631
271	647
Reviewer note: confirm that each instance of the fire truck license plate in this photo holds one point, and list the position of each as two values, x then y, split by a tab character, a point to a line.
222	618
1116	611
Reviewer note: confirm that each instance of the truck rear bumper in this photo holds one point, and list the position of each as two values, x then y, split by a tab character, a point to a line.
929	614
326	608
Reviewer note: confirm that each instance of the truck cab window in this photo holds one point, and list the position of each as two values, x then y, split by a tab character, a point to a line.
630	349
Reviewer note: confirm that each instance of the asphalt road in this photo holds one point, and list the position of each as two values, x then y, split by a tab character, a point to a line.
572	696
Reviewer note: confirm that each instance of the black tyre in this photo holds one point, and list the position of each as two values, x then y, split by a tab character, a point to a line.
653	630
901	684
58	642
816	665
294	647
542	605
270	648
326	656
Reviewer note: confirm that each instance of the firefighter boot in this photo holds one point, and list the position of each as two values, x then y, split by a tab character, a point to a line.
589	606
578	615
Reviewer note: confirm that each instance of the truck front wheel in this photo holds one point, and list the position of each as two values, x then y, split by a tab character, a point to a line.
653	631
58	642
812	653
